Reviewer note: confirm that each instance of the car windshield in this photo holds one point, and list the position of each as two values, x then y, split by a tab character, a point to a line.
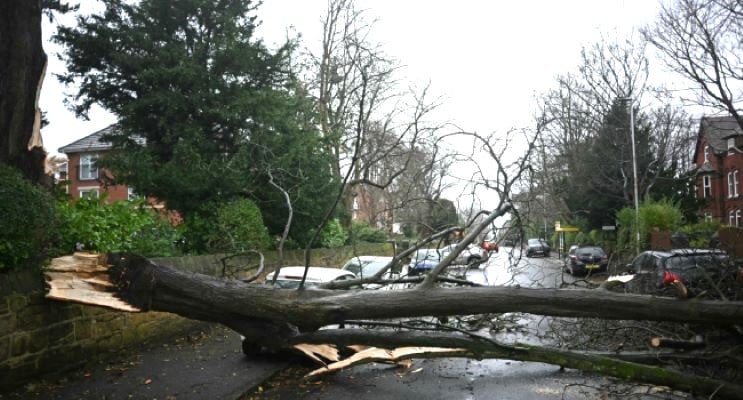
426	254
682	262
535	242
372	268
590	251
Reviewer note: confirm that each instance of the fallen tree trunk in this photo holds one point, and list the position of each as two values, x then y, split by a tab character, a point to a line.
480	348
282	317
143	285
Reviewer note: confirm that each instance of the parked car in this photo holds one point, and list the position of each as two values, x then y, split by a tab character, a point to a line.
423	260
537	246
586	259
471	255
697	269
289	277
366	266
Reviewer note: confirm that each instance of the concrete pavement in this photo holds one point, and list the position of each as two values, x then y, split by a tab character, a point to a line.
205	364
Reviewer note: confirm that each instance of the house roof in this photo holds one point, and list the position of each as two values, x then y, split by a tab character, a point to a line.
95	142
716	130
91	142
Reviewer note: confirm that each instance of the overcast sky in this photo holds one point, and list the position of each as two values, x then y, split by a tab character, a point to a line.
486	59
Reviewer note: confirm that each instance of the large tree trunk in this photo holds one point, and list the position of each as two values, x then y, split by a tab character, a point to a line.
22	66
285	318
136	284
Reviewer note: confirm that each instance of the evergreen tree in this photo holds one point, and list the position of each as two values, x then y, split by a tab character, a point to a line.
205	109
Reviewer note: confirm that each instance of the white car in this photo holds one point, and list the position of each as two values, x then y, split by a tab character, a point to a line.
289	277
366	266
471	255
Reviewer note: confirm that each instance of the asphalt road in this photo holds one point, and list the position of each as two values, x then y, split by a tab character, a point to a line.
453	379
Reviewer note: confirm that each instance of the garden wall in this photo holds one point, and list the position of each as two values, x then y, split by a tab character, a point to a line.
40	337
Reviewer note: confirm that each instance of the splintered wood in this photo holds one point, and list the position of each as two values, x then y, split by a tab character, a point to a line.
83	278
366	355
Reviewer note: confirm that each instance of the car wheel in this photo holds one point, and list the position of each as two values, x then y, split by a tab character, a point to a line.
547	254
473	262
528	254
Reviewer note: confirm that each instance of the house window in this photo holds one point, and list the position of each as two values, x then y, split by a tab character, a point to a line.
733	184
88	169
130	195
731	144
355	210
737	218
706	186
706	154
92	193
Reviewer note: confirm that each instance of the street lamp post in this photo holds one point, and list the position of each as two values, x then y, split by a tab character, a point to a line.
634	172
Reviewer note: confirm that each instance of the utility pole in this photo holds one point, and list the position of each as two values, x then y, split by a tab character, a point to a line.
629	101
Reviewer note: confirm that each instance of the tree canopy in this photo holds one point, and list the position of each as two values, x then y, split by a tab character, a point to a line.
205	109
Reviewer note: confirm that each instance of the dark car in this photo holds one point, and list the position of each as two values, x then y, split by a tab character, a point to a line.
586	259
537	247
697	269
423	261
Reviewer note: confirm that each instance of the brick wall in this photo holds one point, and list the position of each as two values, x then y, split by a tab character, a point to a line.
39	336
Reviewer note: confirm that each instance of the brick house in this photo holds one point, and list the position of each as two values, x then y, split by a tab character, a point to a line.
83	176
718	159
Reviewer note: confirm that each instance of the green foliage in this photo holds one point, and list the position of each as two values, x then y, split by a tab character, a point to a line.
333	235
701	233
662	215
120	226
408	230
443	214
232	227
220	112
363	232
27	222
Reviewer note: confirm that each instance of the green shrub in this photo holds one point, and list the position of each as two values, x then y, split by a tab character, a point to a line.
701	233
333	235
27	223
363	232
120	226
229	227
662	215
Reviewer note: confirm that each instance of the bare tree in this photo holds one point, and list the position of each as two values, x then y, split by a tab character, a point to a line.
700	40
359	105
586	156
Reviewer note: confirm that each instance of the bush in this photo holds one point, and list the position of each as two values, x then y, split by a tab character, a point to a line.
701	233
227	227
333	235
363	232
662	215
27	225
121	226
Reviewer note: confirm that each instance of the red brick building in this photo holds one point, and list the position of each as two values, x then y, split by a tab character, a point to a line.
84	176
718	158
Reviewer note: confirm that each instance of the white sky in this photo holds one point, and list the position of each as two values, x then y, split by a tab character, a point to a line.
487	59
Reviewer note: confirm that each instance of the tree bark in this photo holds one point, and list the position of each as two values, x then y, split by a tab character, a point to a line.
283	318
21	74
144	285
